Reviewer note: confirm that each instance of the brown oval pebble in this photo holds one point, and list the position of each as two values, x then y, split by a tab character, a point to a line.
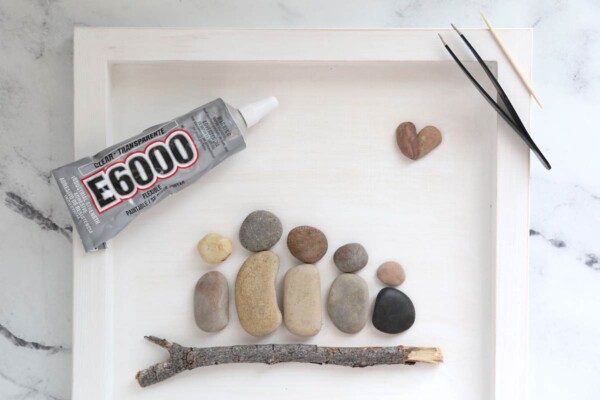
429	138
406	137
308	244
391	273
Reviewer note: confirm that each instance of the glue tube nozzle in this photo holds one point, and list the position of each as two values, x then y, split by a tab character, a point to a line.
257	110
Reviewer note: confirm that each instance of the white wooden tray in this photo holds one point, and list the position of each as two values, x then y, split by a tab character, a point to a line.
457	219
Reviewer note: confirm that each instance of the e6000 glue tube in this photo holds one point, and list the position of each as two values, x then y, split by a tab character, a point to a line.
107	191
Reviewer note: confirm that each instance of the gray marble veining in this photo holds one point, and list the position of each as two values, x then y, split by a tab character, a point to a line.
36	113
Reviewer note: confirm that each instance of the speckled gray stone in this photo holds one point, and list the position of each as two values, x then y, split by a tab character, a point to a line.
260	231
348	303
351	257
211	302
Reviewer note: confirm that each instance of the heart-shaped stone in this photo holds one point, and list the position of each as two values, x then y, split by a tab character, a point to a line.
415	146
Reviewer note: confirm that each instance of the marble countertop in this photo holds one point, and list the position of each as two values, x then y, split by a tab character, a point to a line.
36	116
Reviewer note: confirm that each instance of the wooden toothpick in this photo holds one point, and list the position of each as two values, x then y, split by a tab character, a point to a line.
511	60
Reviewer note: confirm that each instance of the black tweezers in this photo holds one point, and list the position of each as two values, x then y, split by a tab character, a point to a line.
509	115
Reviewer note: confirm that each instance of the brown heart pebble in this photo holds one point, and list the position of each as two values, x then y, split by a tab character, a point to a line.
308	244
415	146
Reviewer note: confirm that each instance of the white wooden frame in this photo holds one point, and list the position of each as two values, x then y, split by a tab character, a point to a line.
97	48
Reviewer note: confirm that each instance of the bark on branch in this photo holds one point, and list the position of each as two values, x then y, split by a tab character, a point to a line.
186	358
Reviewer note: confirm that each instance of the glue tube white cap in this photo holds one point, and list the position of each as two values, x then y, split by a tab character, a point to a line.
255	111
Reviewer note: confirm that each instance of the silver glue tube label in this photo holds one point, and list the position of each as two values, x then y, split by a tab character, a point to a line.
104	193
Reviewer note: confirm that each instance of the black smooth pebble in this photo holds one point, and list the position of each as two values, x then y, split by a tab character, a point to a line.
394	311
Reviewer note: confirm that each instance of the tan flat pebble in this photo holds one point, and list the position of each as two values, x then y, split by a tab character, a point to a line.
302	300
255	296
391	273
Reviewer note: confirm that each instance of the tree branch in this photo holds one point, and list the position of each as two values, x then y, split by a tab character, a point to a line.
187	358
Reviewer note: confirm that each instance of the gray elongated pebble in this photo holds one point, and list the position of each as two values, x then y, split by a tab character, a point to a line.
302	300
211	302
391	273
255	296
348	303
308	244
260	231
351	257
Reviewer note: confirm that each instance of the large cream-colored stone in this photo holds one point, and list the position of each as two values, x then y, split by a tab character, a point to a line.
302	300
255	295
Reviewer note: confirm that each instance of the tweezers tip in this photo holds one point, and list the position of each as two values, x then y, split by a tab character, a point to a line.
456	29
442	39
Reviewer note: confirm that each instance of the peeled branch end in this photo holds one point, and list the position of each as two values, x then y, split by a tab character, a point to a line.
429	355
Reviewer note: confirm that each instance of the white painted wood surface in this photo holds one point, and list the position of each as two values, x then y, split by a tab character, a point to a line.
457	220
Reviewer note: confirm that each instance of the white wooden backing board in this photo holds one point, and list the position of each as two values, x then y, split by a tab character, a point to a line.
457	219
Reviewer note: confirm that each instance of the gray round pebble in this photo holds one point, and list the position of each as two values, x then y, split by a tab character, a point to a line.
351	257
260	231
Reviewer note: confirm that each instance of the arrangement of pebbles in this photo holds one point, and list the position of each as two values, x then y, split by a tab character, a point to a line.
255	291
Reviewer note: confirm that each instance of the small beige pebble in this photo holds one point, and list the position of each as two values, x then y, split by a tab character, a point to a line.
214	248
391	273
